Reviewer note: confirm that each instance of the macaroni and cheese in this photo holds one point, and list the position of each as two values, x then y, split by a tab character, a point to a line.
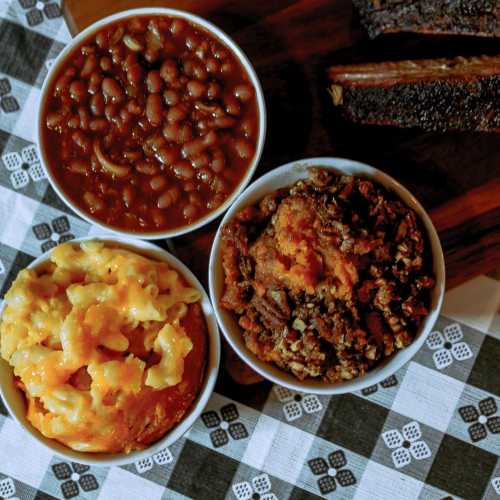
108	346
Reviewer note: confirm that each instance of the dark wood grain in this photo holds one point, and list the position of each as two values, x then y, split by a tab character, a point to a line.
291	43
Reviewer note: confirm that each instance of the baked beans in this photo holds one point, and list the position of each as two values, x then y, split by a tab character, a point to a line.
151	123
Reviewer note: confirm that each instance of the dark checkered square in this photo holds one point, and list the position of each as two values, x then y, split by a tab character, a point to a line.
79	468
34	17
487	406
42	231
61	225
88	482
229	412
337	459
389	382
62	471
369	390
5	86
210	419
477	432
219	437
461	468
493	424
238	431
23	51
318	466
9	104
341	423
345	478
209	475
69	489
326	484
300	494
52	11
468	413
488	356
27	4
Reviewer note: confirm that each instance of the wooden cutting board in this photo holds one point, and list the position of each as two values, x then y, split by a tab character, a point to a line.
455	175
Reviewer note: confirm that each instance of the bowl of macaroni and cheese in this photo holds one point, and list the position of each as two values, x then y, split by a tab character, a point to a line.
109	350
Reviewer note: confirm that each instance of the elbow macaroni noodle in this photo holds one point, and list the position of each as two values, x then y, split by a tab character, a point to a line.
93	334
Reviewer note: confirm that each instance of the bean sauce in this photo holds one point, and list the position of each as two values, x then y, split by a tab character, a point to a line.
150	124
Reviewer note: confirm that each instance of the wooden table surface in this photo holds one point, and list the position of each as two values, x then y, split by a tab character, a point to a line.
456	175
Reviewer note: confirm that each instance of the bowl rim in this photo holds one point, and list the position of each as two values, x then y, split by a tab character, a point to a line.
258	189
206	389
214	31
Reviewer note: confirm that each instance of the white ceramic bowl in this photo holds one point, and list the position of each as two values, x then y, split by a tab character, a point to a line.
15	402
220	35
287	175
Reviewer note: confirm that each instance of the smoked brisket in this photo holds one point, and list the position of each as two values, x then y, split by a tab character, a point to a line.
461	17
433	94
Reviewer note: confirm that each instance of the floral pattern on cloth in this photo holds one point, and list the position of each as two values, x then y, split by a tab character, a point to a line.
483	420
8	489
37	9
8	103
259	488
74	478
24	166
406	445
448	346
224	427
391	381
57	232
295	404
163	457
332	472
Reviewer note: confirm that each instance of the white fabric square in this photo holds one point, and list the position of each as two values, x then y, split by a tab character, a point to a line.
30	468
477	313
383	483
25	126
428	396
120	483
278	449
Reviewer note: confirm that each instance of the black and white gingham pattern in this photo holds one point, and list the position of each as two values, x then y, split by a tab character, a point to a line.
431	431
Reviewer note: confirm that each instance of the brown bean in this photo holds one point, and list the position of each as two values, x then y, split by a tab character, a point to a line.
169	197
169	71
84	118
196	146
232	105
111	111
166	155
63	82
183	169
158	182
112	90
215	201
188	187
54	119
195	89
154	109
220	185
192	42
146	168
128	195
247	126
189	211
89	66
132	155
177	27
205	175
78	166
218	161
98	125
159	218
137	25
212	66
171	131
243	92
74	122
101	39
154	82
243	149
227	69
151	55
177	113
106	63
87	50
185	133
213	90
219	52
195	199
95	82
116	54
94	203
223	122
200	161
82	141
133	107
134	74
199	72
97	105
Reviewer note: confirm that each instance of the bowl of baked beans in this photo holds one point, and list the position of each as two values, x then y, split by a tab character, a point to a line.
151	122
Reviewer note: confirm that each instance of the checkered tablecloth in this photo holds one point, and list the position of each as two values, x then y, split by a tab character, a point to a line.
432	431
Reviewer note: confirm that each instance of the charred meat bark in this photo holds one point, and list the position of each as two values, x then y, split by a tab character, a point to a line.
432	94
460	17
